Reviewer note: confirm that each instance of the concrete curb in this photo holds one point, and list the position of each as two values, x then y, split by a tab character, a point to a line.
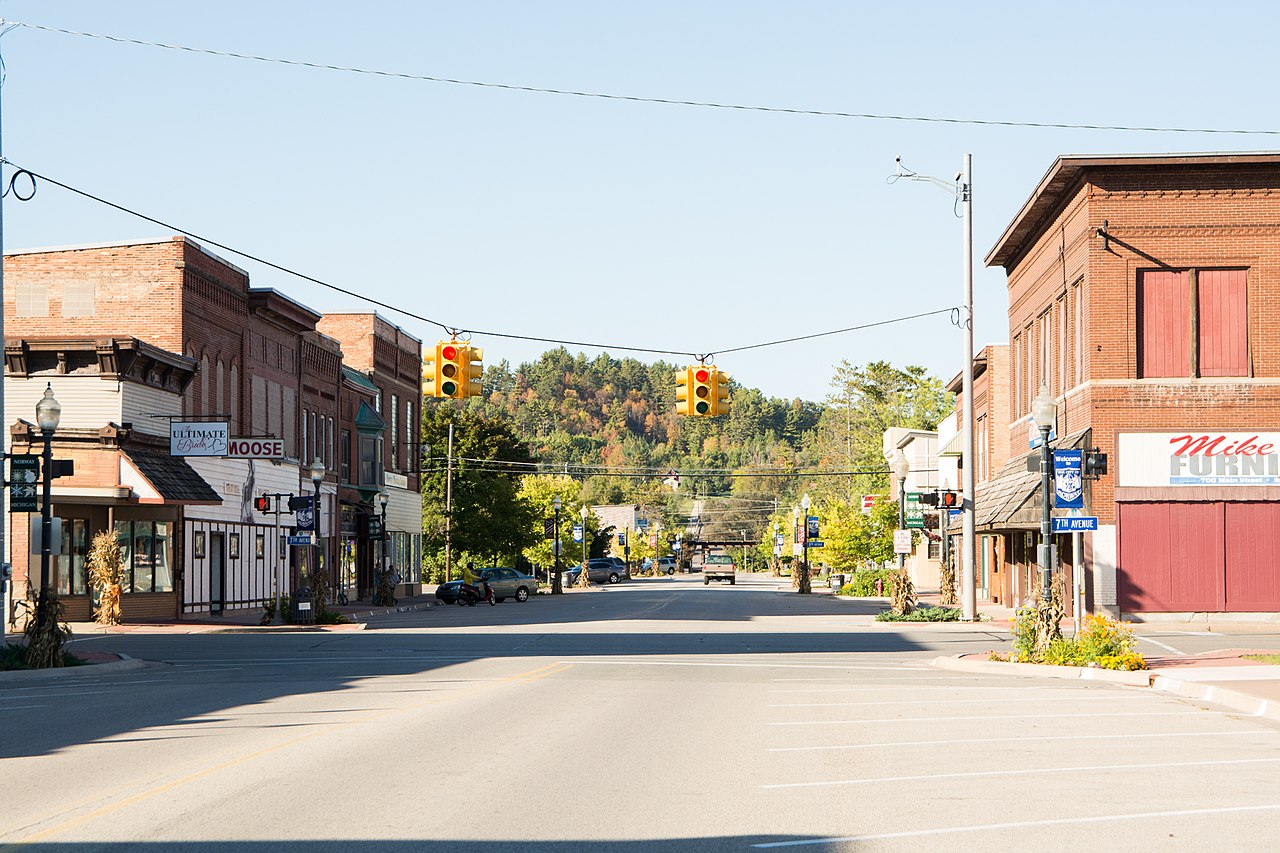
387	611
1041	670
74	671
1224	696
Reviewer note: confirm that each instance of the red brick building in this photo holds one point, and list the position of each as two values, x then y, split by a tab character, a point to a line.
1141	294
381	417
255	361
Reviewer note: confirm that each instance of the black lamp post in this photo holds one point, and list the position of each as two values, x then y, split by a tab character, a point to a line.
1044	411
556	588
901	466
583	513
805	583
317	477
48	413
385	578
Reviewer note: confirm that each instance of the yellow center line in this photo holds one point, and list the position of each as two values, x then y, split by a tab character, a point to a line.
71	823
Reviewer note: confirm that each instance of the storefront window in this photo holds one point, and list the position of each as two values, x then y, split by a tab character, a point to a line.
70	565
147	550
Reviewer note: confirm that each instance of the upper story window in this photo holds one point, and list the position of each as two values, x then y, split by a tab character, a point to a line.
32	300
78	299
346	456
1193	323
395	432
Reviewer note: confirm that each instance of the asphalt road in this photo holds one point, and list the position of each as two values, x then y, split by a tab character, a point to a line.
652	716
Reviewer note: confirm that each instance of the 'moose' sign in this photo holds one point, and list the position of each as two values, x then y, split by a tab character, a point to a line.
256	448
1199	458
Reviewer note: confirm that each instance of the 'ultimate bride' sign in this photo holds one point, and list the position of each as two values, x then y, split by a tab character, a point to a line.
198	438
1199	458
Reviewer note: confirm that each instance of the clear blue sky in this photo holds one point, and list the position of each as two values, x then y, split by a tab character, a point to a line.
636	224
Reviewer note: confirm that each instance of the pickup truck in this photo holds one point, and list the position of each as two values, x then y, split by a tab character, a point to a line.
718	567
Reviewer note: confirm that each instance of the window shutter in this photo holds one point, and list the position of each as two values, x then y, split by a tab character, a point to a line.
1224	323
1164	324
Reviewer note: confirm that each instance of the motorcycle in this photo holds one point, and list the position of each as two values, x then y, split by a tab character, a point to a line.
470	596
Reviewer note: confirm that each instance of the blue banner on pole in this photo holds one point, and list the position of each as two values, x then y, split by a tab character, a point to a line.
1068	484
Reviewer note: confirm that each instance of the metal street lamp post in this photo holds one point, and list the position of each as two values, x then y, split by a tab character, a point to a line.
583	513
383	497
556	588
962	189
805	583
317	477
901	466
1044	411
48	413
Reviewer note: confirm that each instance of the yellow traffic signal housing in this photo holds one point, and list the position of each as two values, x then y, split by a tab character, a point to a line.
471	359
684	382
702	398
445	377
719	393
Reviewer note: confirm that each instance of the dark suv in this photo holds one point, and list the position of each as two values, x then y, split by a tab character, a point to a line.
600	570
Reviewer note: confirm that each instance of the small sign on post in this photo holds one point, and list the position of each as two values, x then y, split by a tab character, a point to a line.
24	473
902	541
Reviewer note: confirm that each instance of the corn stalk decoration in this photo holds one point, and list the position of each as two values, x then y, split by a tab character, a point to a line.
947	580
902	592
106	572
47	632
583	581
1047	616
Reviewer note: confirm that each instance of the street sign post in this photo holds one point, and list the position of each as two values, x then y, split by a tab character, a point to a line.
1075	524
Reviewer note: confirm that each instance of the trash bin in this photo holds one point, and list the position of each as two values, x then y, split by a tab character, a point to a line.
304	611
837	581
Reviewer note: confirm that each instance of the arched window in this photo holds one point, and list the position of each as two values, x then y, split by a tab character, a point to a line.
204	385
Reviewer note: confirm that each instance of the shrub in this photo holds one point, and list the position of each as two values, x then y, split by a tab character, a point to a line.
921	614
1128	661
13	656
863	583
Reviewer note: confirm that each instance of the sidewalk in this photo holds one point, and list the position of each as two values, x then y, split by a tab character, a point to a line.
248	620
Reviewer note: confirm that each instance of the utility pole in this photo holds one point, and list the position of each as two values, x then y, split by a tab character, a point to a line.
448	511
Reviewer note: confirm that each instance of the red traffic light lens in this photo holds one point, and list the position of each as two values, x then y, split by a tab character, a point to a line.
450	352
702	375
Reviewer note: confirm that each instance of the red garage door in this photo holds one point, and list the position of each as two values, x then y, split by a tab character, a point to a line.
1209	556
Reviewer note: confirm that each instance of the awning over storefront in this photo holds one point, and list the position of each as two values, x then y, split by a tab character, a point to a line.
157	477
1011	499
954	447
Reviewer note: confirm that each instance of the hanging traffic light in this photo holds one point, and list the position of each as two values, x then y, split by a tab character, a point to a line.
719	392
702	398
444	375
684	381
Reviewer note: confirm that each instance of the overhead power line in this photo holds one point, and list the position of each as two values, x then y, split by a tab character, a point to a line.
23	172
677	102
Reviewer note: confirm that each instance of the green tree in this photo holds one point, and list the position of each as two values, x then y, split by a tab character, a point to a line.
490	523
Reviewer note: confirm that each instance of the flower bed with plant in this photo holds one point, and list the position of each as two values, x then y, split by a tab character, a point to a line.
923	613
1101	642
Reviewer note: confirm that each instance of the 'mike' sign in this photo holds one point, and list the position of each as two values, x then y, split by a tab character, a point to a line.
1199	458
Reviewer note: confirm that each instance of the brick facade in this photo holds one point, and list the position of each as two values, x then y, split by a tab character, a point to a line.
1074	256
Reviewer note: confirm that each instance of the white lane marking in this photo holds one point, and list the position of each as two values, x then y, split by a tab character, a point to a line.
734	664
20	707
1021	824
1127	697
988	717
1100	768
1060	689
1165	646
1200	633
954	741
60	694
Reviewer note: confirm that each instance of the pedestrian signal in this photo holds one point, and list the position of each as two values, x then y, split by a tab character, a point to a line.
262	503
951	500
